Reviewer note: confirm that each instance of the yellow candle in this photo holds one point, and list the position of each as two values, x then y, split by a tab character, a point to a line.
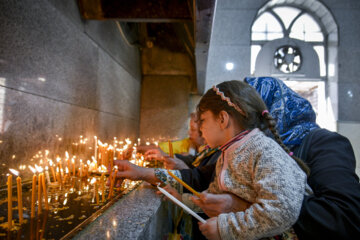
97	192
9	183
45	191
111	186
39	194
33	193
171	154
20	203
184	184
73	163
52	171
102	183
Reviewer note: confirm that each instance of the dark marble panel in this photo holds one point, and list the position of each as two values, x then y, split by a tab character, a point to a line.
107	35
232	27
70	9
42	52
164	107
29	123
118	91
135	216
349	98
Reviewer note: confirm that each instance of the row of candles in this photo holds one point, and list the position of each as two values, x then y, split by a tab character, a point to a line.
104	154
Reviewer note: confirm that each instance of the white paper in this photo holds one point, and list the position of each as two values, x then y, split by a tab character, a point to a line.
188	210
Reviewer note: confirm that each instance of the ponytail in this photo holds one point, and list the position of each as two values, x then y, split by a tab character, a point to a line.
271	123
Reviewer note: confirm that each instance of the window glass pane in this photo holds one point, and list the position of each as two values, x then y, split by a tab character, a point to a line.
255	49
305	28
258	36
272	36
321	53
287	14
266	23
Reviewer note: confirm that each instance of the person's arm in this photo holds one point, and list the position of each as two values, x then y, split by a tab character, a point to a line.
333	211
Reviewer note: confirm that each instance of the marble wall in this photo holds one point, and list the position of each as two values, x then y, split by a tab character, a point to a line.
62	77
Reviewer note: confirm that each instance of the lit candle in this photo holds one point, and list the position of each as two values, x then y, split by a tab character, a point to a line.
19	194
112	182
67	159
33	193
52	171
47	174
39	194
66	174
95	149
9	183
44	191
81	168
102	183
58	177
73	163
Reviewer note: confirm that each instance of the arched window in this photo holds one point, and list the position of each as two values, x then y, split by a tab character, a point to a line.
287	22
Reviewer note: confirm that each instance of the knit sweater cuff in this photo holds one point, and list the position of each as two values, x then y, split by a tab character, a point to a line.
186	199
223	227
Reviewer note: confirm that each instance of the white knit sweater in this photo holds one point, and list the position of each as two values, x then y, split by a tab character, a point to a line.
259	171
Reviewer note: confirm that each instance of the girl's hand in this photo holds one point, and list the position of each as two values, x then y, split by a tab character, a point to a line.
210	229
215	204
172	191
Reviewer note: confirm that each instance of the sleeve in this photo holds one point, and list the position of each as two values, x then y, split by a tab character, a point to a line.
200	177
333	211
164	177
280	191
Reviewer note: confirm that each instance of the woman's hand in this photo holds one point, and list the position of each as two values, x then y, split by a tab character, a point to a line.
210	229
133	172
154	154
215	204
174	163
172	191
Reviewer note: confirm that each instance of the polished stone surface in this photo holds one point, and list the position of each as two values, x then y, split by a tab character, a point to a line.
139	215
164	107
349	95
219	56
347	129
232	27
62	77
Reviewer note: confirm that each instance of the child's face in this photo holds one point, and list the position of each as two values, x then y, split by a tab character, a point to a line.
211	129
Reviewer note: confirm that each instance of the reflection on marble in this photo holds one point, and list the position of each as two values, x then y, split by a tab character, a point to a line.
56	81
31	123
139	215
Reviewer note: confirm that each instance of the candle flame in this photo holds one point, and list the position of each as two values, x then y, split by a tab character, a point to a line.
38	169
66	170
88	162
51	163
147	143
93	180
46	168
32	169
58	158
67	155
15	172
46	152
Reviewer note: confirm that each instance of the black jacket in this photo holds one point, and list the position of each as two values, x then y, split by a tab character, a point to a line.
333	212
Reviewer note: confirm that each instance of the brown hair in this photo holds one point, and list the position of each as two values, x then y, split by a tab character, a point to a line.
251	114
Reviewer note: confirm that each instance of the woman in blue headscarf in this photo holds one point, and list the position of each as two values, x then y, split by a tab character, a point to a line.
294	114
333	211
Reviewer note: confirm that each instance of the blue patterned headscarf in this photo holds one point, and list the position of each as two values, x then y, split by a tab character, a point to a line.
294	115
